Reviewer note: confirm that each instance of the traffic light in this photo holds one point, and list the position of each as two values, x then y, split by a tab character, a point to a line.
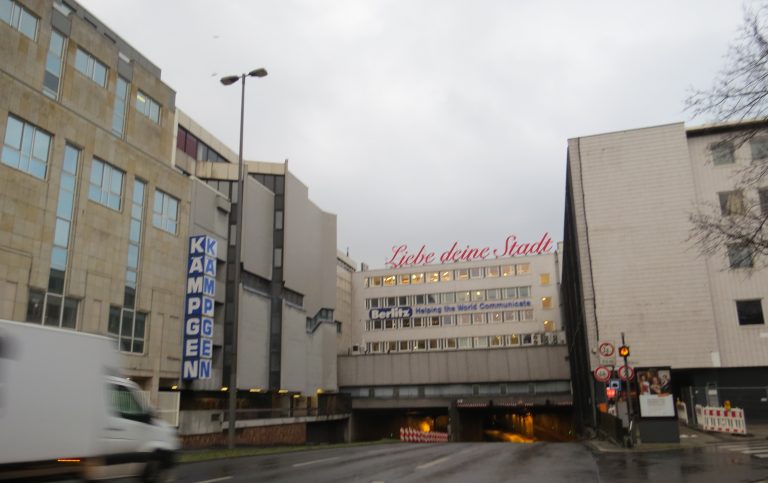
610	393
624	351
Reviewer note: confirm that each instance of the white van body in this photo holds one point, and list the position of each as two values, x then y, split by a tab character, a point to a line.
64	409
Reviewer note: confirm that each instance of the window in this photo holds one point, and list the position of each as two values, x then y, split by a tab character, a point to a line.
514	340
523	268
510	315
405	279
417	278
278	219
493	294
433	277
124	404
53	64
478	318
165	214
478	295
465	342
389	280
450	343
64	208
496	340
434	344
544	279
90	67
731	202
464	319
549	326
763	195
507	270
481	342
278	257
449	320
446	275
121	99
492	272
750	312
26	147
376	282
420	345
722	153
129	327
462	274
740	256
526	314
546	302
148	106
19	18
403	345
523	292
759	148
494	317
462	296
448	297
476	272
106	186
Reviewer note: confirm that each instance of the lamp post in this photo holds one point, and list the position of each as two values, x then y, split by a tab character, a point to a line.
232	412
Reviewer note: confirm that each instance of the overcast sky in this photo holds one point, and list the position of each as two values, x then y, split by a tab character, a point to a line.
435	121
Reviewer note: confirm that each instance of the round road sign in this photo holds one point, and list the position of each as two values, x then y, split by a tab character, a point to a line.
602	374
606	349
626	373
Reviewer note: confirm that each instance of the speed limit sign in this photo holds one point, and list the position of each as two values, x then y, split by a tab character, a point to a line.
602	374
607	354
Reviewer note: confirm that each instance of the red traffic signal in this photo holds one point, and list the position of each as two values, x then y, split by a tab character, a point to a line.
610	393
624	351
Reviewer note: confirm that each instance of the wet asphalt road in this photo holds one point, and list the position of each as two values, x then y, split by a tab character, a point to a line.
481	463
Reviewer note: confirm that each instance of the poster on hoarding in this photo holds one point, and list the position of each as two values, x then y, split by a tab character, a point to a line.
654	388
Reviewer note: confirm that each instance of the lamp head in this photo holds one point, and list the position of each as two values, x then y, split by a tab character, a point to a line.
230	79
260	72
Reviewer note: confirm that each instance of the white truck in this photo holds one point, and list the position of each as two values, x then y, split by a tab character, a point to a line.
64	410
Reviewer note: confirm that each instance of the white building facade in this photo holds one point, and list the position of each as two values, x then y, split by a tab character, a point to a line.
630	265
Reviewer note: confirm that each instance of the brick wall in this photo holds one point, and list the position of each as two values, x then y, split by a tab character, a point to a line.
284	434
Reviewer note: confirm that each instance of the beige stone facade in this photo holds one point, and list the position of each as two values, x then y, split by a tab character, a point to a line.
81	116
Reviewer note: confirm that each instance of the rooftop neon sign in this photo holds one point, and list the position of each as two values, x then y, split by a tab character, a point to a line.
403	257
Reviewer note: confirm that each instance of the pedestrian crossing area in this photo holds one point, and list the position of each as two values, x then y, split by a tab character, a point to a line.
757	449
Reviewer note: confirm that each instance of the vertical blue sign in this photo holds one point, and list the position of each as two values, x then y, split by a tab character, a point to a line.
198	308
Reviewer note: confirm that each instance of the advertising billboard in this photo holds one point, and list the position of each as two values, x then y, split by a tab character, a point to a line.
654	386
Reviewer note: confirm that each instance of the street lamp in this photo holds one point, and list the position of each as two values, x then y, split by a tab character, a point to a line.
232	412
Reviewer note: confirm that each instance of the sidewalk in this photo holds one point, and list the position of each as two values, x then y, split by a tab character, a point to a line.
689	438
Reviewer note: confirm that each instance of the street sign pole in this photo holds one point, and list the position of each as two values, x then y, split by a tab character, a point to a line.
628	395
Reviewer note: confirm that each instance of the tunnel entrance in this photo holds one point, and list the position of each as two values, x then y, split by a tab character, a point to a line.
376	424
515	425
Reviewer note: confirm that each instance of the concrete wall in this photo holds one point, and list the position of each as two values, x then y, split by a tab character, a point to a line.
448	367
310	248
633	193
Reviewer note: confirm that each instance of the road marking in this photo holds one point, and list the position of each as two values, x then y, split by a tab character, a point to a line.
743	447
432	463
223	478
763	449
314	462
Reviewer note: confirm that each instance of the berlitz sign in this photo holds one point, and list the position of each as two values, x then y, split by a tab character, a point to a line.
403	257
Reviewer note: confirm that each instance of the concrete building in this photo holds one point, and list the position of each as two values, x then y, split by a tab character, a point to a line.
630	268
102	183
454	341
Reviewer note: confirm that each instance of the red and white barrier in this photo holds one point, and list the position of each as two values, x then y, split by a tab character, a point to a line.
411	435
721	420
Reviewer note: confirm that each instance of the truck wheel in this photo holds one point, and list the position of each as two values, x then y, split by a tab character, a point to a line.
158	470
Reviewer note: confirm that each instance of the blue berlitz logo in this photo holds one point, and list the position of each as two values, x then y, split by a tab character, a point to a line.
390	313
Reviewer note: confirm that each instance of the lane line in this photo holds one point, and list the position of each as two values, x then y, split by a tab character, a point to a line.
223	478
757	450
315	462
432	463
